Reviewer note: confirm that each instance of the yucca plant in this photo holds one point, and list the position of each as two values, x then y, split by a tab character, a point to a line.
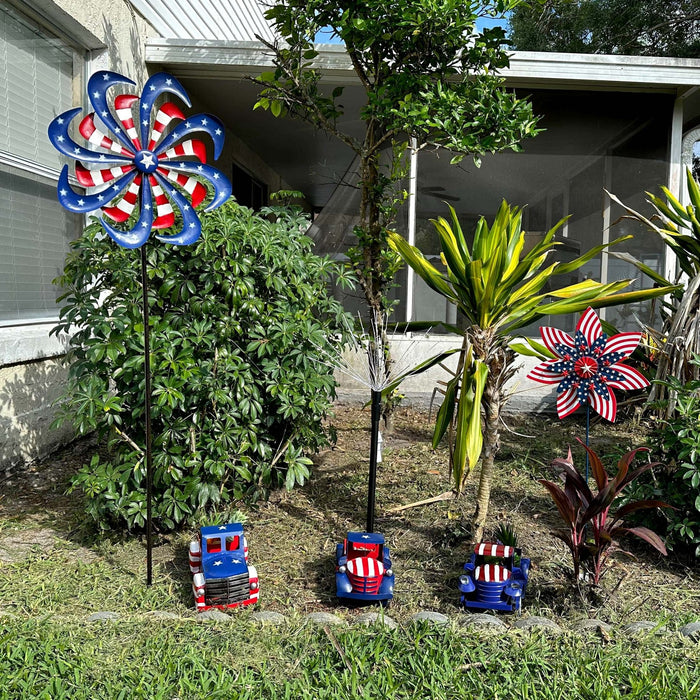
591	528
499	288
679	228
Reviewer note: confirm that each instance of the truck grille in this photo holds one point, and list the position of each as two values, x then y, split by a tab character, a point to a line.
365	584
225	591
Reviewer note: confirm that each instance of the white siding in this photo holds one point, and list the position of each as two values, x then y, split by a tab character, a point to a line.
222	20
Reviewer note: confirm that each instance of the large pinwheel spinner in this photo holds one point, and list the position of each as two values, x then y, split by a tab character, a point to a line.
588	366
140	172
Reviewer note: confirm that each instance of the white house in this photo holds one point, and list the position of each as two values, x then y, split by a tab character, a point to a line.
626	124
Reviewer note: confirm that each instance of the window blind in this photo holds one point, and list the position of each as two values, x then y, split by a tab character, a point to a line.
36	84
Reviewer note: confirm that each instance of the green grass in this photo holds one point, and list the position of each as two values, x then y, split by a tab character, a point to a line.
43	658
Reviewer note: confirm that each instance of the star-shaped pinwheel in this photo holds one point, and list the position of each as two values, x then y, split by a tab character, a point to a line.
588	366
151	175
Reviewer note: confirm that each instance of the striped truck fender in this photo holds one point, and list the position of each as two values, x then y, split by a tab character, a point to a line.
195	557
254	583
198	590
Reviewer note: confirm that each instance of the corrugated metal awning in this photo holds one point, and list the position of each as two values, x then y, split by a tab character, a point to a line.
222	20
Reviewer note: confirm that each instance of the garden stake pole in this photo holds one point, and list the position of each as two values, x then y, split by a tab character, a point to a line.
373	453
147	408
144	187
588	430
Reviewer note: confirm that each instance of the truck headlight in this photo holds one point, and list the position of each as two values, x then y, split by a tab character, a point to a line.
253	585
389	572
342	569
464	580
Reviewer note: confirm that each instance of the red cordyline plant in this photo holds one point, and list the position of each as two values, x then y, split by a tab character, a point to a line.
591	527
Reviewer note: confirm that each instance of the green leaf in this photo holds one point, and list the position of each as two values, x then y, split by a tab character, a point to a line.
446	412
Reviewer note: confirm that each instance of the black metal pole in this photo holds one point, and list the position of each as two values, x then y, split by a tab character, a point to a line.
588	430
147	403
373	453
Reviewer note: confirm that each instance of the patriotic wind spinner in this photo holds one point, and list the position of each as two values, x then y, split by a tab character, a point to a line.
140	172
588	366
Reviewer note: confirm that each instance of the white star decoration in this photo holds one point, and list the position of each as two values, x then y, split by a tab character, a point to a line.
147	160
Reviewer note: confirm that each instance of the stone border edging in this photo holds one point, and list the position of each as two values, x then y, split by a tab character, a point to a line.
485	621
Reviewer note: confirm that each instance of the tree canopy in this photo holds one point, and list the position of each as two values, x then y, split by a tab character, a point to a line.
632	27
428	74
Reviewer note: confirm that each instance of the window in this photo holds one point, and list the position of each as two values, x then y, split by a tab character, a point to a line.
213	545
39	78
248	191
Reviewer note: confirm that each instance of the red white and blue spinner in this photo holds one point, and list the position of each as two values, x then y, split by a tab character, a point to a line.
588	366
142	173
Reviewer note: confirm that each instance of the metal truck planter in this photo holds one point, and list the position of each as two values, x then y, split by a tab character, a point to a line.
222	577
492	581
363	568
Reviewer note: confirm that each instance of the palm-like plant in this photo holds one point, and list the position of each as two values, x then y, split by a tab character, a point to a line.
679	342
499	288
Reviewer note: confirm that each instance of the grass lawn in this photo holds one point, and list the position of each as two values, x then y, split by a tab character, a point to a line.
57	570
46	658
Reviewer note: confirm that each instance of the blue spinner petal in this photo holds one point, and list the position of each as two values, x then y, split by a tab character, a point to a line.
219	181
599	343
98	85
197	122
191	225
62	142
138	235
81	203
155	86
600	388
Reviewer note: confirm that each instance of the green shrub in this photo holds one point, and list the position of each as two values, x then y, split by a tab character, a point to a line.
676	443
239	395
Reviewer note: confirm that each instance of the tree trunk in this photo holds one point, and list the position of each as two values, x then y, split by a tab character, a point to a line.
492	403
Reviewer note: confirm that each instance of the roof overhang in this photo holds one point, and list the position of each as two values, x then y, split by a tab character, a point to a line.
213	72
235	60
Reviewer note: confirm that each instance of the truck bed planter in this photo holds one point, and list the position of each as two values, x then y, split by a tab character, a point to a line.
363	568
222	577
492	580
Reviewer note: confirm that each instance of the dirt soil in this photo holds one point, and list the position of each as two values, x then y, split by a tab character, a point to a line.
292	537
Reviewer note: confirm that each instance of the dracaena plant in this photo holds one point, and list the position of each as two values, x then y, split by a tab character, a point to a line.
592	527
499	287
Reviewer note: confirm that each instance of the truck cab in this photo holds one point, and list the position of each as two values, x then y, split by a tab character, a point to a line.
222	576
495	578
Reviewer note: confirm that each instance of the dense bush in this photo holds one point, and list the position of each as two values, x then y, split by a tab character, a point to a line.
676	443
239	394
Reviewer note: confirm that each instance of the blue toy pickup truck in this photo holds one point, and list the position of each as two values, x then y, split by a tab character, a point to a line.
495	578
363	568
222	577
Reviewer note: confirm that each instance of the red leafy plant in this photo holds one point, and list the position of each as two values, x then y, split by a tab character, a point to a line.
591	527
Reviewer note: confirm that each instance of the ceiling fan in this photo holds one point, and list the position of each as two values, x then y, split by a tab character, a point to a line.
438	192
